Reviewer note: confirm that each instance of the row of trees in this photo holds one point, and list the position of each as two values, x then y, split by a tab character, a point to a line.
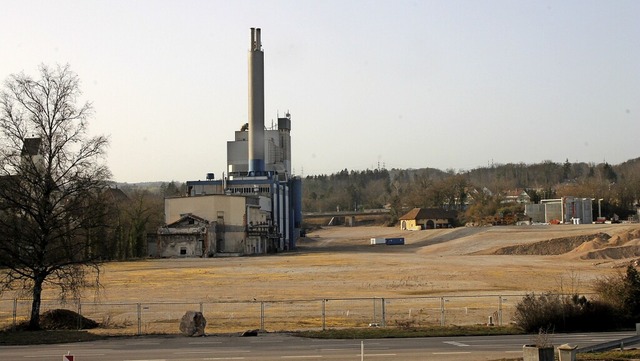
477	193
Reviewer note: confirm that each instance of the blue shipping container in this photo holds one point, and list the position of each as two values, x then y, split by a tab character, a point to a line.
394	241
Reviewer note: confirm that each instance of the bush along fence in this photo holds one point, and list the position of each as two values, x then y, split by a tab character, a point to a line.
282	315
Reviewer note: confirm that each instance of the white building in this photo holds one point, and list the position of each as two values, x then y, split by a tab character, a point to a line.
561	210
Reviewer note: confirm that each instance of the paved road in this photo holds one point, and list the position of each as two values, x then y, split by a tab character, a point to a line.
271	347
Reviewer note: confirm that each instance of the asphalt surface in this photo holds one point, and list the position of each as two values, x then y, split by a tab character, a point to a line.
270	347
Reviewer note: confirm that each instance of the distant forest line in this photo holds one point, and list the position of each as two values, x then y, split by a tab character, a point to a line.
477	193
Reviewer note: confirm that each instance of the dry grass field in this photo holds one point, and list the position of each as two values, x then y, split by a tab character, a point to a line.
339	262
471	267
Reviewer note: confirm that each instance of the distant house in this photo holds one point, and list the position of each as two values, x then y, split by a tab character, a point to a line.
517	196
427	218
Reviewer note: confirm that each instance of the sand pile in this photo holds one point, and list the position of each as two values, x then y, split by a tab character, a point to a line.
594	246
622	252
555	246
620	246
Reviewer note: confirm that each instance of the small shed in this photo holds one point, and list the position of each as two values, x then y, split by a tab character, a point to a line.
427	218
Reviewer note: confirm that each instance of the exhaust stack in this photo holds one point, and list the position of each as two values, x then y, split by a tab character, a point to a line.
256	104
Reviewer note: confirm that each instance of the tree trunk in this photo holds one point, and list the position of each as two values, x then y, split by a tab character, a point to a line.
34	322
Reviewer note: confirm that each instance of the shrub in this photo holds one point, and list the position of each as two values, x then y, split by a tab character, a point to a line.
549	311
537	312
622	293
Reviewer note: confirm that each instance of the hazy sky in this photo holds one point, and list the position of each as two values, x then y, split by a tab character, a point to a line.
405	84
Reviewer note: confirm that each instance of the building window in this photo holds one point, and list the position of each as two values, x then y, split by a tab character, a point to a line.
183	251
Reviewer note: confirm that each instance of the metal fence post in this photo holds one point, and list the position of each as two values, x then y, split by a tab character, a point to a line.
374	311
261	315
79	315
384	314
500	310
201	308
324	315
442	322
139	319
15	314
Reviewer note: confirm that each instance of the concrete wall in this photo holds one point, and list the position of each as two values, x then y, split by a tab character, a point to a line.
256	215
409	225
565	209
208	207
578	208
553	211
204	188
255	245
535	212
277	152
180	245
186	239
227	211
238	153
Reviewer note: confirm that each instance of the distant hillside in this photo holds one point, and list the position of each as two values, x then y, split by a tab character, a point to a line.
479	192
476	194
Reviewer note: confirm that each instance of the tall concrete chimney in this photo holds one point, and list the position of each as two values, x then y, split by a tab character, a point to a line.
256	104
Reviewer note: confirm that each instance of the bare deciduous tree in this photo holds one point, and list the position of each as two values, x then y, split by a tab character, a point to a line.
53	175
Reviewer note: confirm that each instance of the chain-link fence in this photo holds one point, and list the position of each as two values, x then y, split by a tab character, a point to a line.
284	315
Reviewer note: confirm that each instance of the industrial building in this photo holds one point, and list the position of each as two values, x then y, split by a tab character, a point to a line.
562	210
256	207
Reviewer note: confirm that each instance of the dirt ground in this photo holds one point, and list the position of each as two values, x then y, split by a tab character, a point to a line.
339	262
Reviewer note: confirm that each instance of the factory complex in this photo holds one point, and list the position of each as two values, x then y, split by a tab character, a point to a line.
256	207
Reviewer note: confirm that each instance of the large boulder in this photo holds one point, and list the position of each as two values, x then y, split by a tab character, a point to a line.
193	324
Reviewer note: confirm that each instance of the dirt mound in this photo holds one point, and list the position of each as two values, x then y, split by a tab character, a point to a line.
61	319
622	238
620	246
594	246
555	246
627	251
